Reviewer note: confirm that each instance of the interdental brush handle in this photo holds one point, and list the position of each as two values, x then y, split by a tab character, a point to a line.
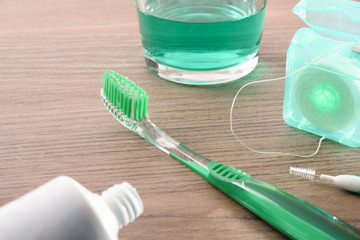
347	182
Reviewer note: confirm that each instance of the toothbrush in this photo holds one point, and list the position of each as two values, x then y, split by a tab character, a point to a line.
347	182
292	216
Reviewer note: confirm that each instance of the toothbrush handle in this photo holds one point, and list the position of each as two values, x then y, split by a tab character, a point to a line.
292	216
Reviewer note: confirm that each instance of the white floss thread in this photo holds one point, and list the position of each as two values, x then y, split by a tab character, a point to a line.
277	79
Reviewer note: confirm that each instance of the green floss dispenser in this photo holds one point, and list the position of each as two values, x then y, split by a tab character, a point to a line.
322	87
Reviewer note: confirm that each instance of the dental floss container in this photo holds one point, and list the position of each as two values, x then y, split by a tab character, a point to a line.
324	97
62	209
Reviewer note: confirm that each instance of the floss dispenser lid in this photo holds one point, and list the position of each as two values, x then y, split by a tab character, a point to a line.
336	17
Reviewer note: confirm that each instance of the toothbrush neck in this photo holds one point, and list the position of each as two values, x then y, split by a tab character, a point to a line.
164	142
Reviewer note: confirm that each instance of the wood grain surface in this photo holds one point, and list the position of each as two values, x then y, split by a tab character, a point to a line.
52	121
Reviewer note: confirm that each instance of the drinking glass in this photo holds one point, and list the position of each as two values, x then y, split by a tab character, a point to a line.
201	42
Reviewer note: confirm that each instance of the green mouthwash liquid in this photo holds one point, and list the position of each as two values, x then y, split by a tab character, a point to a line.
200	35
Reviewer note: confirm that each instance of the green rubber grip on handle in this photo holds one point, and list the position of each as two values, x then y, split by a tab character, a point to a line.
289	214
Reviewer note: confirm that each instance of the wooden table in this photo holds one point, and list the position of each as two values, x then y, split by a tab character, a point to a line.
52	122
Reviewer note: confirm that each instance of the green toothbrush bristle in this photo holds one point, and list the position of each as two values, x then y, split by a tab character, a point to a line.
125	95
